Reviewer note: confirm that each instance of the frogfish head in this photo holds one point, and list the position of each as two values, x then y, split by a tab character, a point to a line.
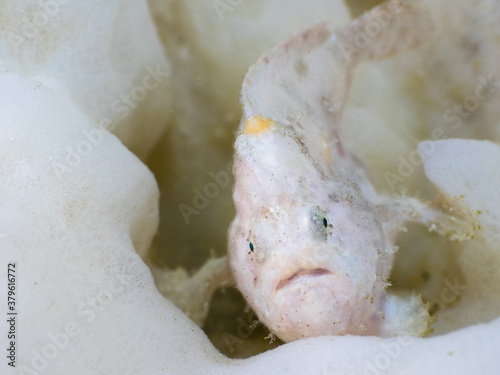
311	268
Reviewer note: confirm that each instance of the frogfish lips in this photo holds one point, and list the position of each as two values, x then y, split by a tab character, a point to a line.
309	273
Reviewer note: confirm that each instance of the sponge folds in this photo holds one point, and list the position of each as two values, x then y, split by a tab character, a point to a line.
72	207
107	54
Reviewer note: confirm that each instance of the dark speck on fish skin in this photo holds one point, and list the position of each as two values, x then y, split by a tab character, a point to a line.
301	68
333	197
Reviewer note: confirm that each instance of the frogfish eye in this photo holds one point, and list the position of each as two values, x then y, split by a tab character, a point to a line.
318	222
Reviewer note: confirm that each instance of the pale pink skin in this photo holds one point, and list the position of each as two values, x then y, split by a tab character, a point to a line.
301	278
344	265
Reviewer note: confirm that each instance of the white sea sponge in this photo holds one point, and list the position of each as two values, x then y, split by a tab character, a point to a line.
469	169
107	54
86	301
428	93
73	233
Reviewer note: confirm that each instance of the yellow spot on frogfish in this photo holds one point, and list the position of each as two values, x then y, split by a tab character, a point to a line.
258	124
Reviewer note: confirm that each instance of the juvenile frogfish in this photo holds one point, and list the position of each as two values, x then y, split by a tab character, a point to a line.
312	244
